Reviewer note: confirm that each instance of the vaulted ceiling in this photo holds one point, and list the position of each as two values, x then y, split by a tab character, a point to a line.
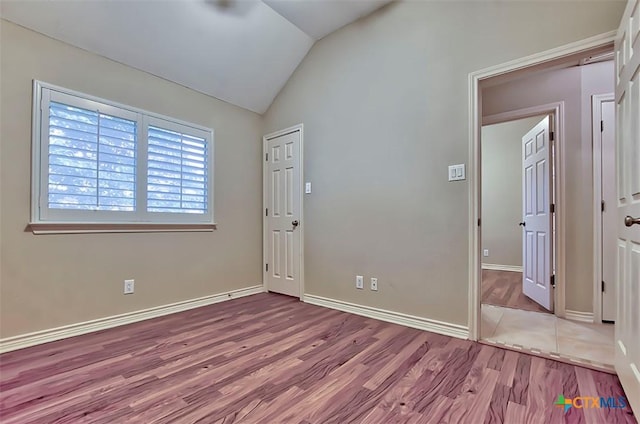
239	51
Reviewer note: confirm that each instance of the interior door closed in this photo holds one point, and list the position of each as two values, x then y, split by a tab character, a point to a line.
609	211
537	220
627	329
283	212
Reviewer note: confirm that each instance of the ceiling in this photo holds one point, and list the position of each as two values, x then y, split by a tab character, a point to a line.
319	18
239	51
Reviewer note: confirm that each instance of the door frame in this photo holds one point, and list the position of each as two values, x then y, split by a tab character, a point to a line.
556	113
265	200
596	110
541	60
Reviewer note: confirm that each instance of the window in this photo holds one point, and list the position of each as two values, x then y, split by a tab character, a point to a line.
96	162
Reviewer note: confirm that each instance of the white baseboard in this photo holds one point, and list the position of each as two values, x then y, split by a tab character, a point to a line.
578	316
448	329
496	267
44	336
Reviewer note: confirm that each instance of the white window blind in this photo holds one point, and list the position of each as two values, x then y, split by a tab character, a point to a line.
98	161
92	160
177	172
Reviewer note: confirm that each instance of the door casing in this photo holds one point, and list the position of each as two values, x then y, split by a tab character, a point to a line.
265	202
537	61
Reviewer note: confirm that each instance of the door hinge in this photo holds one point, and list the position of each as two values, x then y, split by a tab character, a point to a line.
601	126
553	281
266	157
602	206
552	136
266	267
479	222
603	287
553	208
266	212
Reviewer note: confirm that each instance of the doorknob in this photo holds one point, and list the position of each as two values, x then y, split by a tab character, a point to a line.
295	223
629	221
523	224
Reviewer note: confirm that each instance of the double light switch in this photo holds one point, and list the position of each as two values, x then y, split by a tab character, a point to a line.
456	172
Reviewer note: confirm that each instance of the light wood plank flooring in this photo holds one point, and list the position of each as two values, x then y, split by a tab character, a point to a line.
504	288
272	359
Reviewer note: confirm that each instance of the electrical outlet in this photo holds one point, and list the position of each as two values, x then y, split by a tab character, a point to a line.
374	284
359	282
485	252
129	286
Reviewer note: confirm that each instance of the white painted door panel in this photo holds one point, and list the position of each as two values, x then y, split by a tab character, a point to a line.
283	214
610	212
536	204
627	330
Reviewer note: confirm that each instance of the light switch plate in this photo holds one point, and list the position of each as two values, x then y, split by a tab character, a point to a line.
129	286
307	188
457	172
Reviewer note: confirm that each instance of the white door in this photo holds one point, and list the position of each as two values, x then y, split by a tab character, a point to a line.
609	210
537	220
283	207
627	329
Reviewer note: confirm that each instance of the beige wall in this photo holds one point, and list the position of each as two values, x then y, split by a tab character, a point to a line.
53	280
502	190
574	86
384	102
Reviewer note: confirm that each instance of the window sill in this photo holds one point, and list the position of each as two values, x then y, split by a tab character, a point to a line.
114	227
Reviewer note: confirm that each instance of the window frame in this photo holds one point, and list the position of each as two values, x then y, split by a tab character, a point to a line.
46	220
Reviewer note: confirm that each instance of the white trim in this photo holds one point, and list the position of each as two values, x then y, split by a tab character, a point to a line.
496	267
426	324
265	202
474	157
116	227
579	316
585	45
527	112
596	111
45	336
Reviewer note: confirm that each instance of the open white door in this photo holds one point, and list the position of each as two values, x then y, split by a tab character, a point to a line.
283	211
627	331
536	208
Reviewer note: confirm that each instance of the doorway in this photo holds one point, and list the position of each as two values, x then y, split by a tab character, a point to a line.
564	202
516	273
283	224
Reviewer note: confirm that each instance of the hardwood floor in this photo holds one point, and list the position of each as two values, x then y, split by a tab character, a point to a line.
504	288
272	359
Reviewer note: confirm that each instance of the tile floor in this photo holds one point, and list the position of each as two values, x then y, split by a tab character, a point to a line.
550	334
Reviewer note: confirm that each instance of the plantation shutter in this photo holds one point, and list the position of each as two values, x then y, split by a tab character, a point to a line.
92	159
100	162
177	169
